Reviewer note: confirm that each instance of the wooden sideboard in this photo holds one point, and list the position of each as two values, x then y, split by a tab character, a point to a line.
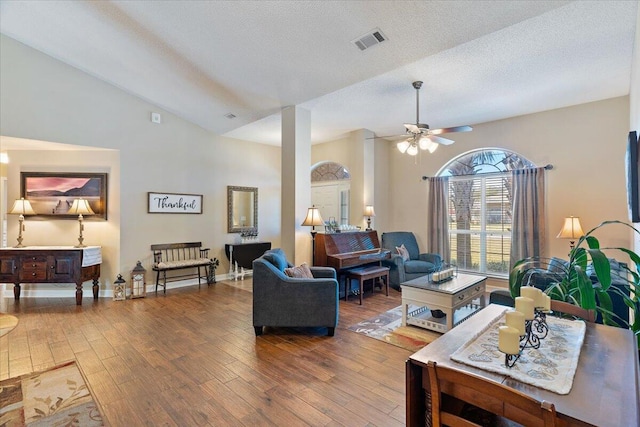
51	264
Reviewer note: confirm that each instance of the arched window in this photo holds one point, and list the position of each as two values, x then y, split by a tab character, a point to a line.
330	191
479	203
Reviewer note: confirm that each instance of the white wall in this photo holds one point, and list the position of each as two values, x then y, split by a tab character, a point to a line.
44	99
585	143
634	96
364	167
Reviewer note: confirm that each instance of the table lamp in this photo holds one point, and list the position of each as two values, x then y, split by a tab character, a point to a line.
80	207
21	207
313	218
369	212
571	230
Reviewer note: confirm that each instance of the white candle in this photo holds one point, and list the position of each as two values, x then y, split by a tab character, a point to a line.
534	293
525	306
508	340
547	302
515	319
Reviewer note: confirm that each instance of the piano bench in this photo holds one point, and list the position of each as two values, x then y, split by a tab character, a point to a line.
367	273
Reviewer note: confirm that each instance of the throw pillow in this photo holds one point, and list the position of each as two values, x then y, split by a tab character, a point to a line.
301	272
403	252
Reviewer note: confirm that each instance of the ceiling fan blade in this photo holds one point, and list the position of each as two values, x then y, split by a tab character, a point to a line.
450	130
393	137
441	140
412	128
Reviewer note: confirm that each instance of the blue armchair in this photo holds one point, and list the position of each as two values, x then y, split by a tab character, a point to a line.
418	264
542	278
280	300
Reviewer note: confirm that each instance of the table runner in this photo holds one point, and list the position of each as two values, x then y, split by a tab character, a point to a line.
551	367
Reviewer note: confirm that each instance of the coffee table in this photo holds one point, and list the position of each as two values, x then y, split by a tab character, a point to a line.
454	298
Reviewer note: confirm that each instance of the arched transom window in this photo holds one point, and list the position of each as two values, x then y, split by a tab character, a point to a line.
329	171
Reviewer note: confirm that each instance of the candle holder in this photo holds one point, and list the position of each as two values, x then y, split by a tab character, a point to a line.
511	359
535	330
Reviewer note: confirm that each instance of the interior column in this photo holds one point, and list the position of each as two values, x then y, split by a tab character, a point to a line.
296	183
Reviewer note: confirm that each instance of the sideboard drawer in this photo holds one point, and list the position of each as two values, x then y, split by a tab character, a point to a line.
33	275
29	265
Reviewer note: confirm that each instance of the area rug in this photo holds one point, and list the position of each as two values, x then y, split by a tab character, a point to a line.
388	327
55	397
7	323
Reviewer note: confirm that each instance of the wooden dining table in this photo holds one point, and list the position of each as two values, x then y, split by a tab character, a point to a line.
606	386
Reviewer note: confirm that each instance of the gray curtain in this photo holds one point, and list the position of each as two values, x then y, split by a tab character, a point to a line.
438	218
528	223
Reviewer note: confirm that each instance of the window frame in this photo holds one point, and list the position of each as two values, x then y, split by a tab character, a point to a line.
501	169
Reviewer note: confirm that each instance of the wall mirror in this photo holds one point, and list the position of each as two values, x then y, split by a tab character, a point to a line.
242	204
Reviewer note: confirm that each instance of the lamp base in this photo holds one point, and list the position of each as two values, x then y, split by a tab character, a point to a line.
313	247
80	238
20	228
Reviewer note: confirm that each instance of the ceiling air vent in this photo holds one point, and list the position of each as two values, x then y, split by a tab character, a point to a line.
372	38
230	116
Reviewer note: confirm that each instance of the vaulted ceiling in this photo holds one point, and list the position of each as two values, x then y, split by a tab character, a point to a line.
480	61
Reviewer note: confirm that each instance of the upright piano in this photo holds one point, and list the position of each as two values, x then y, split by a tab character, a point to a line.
347	250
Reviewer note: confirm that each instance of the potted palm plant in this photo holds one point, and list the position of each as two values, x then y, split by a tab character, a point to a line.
572	281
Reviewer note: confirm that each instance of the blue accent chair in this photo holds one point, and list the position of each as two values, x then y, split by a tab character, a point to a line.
418	264
283	301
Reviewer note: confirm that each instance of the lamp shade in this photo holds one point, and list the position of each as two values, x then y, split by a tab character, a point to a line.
22	207
368	211
80	207
313	218
571	229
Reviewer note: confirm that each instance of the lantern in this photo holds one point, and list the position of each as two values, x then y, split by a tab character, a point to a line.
138	281
119	289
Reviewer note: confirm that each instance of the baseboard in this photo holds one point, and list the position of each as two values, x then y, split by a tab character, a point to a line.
64	290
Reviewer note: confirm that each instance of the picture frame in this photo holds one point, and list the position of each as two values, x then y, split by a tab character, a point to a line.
174	203
633	188
52	193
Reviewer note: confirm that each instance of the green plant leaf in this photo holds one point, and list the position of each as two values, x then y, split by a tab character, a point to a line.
586	297
605	306
592	242
602	267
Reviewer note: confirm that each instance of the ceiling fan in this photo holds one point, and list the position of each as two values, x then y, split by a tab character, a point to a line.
418	135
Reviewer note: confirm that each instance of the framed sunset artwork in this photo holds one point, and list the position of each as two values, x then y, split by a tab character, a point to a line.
51	194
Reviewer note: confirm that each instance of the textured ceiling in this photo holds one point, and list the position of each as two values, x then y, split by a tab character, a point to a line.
480	60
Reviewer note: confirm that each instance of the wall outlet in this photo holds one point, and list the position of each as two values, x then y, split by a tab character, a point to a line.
156	118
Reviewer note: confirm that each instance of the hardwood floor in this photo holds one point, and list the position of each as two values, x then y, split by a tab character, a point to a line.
191	358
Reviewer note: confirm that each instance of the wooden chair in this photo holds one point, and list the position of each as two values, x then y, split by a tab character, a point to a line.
573	310
493	397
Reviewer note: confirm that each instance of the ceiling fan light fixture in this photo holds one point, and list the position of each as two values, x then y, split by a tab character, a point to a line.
412	150
403	146
424	143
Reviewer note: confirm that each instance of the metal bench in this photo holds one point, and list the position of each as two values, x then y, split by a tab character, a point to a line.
181	256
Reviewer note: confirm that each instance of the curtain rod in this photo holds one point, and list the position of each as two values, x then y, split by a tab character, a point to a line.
546	167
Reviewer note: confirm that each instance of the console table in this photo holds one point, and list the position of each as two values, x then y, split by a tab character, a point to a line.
51	264
241	256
